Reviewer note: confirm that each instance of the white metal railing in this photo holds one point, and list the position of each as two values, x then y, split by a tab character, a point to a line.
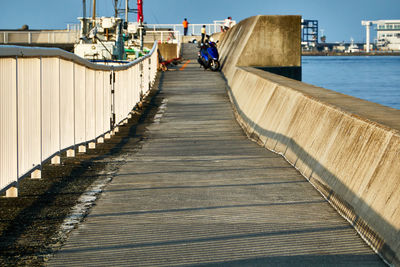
39	37
172	37
73	27
193	29
52	100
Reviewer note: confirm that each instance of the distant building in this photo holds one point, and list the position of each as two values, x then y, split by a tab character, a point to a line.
309	33
388	34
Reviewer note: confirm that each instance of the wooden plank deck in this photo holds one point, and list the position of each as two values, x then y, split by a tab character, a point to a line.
199	192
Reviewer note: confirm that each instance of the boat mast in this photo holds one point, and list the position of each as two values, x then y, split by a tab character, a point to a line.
84	18
116	8
126	11
94	14
94	20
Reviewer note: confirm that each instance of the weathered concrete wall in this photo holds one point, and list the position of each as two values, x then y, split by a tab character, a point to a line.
263	41
349	149
168	51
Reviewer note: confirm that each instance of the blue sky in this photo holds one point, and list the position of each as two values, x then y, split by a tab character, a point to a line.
340	19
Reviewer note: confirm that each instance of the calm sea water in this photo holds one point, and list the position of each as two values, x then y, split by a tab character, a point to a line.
376	79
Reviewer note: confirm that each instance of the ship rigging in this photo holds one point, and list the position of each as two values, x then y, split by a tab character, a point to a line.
104	38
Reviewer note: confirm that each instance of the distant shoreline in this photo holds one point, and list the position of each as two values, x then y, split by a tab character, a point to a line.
350	54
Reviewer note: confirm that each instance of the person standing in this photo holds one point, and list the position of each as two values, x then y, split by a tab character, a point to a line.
227	24
203	33
185	24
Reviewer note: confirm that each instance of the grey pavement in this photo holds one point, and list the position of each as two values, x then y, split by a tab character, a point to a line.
199	192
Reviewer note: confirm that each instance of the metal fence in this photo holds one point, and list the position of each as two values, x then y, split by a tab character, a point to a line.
193	29
51	100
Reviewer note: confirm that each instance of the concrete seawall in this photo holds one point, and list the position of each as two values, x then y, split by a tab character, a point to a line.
349	149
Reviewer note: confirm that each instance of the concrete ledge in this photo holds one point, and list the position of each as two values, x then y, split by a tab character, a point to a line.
350	159
348	148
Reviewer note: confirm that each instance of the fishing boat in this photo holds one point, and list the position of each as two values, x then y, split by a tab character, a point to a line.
353	48
103	39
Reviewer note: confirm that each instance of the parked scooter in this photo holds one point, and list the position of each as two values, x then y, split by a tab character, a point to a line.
208	56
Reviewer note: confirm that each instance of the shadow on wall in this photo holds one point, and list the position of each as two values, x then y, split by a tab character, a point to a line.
288	72
320	171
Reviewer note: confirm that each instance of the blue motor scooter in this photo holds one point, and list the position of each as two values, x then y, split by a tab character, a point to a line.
208	56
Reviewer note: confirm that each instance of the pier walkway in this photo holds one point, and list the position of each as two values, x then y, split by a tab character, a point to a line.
199	192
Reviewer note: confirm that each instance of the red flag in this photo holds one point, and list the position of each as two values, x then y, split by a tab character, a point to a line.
140	11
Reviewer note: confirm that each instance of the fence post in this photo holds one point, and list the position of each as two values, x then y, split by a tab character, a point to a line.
13	191
59	105
112	98
41	116
149	70
74	101
56	159
92	144
37	174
